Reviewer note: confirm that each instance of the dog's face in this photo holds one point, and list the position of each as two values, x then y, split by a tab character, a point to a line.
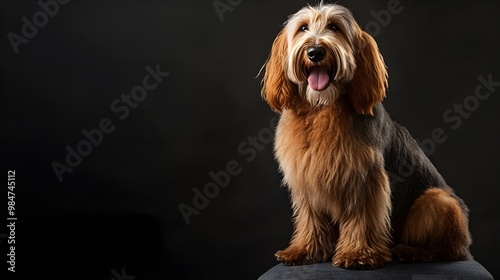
320	54
320	51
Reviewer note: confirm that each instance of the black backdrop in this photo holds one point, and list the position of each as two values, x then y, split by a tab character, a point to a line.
117	212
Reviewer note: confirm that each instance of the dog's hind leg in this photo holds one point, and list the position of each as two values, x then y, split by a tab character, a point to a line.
436	229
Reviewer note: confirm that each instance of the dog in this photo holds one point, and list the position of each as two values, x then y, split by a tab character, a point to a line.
342	157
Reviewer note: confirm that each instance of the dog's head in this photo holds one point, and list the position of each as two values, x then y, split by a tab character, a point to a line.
321	53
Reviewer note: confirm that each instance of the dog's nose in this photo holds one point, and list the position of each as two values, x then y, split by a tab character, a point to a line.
316	54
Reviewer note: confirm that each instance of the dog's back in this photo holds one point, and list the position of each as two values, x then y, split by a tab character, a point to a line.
410	171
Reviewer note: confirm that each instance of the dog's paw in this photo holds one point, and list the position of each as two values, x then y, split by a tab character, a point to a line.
292	256
297	256
405	253
362	260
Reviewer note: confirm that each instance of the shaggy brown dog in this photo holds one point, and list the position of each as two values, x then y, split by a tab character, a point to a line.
343	158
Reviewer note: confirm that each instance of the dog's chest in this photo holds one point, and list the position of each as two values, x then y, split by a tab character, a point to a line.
320	149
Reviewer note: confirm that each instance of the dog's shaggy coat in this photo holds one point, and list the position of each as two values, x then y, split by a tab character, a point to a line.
361	188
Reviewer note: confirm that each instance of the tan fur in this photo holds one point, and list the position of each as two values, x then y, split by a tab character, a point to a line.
435	224
277	90
354	55
335	176
339	188
369	83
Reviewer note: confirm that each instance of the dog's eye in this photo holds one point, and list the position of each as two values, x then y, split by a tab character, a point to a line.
332	27
304	27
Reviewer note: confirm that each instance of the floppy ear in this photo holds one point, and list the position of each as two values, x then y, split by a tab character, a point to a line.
277	89
369	82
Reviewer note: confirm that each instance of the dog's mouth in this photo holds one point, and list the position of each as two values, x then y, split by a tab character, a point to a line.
318	77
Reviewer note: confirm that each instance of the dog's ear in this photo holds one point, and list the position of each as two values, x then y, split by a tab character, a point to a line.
369	82
277	89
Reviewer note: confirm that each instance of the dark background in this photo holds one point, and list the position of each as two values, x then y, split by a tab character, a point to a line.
119	207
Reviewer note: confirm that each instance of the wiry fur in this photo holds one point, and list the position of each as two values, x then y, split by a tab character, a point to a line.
338	151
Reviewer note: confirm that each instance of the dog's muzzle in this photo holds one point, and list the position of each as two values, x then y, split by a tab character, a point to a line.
318	75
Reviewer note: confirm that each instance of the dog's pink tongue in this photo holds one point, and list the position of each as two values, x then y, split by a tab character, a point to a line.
318	78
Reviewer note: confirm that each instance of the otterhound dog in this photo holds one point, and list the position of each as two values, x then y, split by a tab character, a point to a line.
362	190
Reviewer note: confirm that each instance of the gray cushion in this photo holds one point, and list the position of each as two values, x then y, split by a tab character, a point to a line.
415	271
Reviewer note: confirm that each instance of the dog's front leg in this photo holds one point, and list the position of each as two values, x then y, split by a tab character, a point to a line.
364	224
313	238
